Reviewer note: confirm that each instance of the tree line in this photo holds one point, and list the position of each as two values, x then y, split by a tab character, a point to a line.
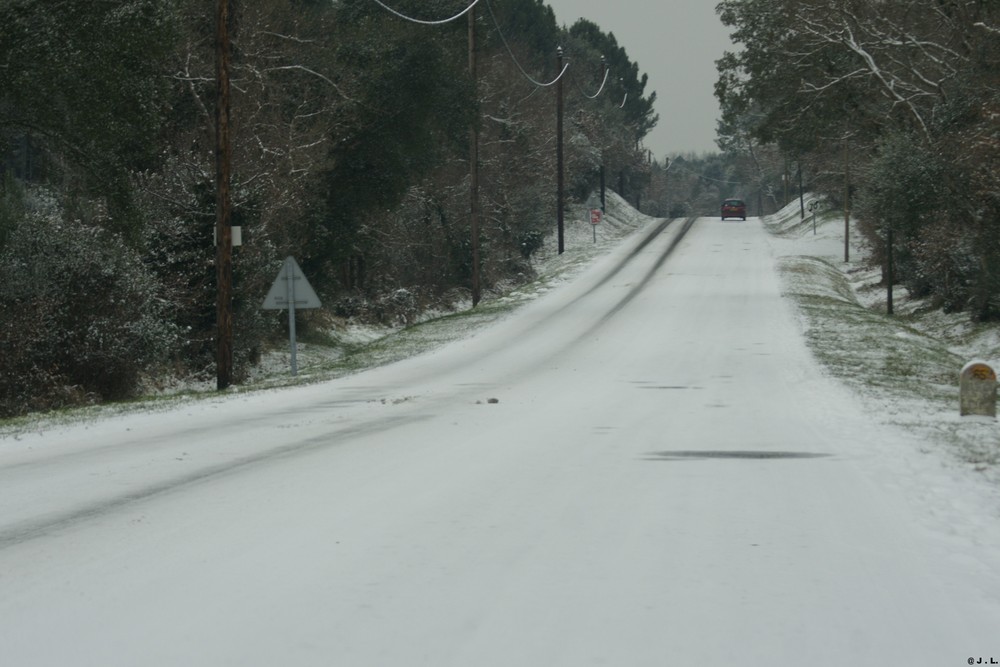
351	136
892	109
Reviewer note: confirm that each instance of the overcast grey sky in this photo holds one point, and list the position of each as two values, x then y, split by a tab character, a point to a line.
675	43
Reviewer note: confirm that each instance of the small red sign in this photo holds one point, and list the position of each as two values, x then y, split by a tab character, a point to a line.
595	216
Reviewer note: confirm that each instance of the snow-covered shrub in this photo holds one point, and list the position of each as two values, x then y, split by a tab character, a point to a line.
400	306
906	193
984	298
945	255
81	317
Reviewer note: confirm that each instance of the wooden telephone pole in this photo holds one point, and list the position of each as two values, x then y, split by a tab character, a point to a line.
847	202
474	164
223	212
559	154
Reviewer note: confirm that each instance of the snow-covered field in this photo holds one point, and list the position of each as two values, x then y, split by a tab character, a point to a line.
671	449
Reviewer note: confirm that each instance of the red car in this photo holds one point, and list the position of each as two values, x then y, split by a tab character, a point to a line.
734	208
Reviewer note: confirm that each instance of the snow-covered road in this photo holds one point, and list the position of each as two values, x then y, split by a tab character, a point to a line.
643	467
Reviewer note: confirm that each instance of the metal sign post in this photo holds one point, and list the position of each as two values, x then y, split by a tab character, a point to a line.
291	290
595	219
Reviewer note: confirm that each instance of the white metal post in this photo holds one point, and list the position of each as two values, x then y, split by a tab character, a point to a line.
290	277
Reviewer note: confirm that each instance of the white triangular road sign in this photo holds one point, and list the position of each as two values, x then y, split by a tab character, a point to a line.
291	289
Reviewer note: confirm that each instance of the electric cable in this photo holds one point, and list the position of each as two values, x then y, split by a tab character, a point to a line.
503	39
673	164
500	32
599	90
422	22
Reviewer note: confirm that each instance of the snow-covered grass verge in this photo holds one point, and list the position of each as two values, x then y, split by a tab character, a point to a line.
903	367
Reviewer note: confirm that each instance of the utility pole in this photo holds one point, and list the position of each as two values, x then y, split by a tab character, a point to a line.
604	203
784	185
890	272
474	163
666	185
223	213
603	186
559	151
802	201
847	203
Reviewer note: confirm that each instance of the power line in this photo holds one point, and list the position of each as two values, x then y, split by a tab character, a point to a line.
527	76
422	22
503	39
607	71
674	164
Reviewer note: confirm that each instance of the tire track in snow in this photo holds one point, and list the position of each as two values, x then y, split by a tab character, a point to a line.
57	521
